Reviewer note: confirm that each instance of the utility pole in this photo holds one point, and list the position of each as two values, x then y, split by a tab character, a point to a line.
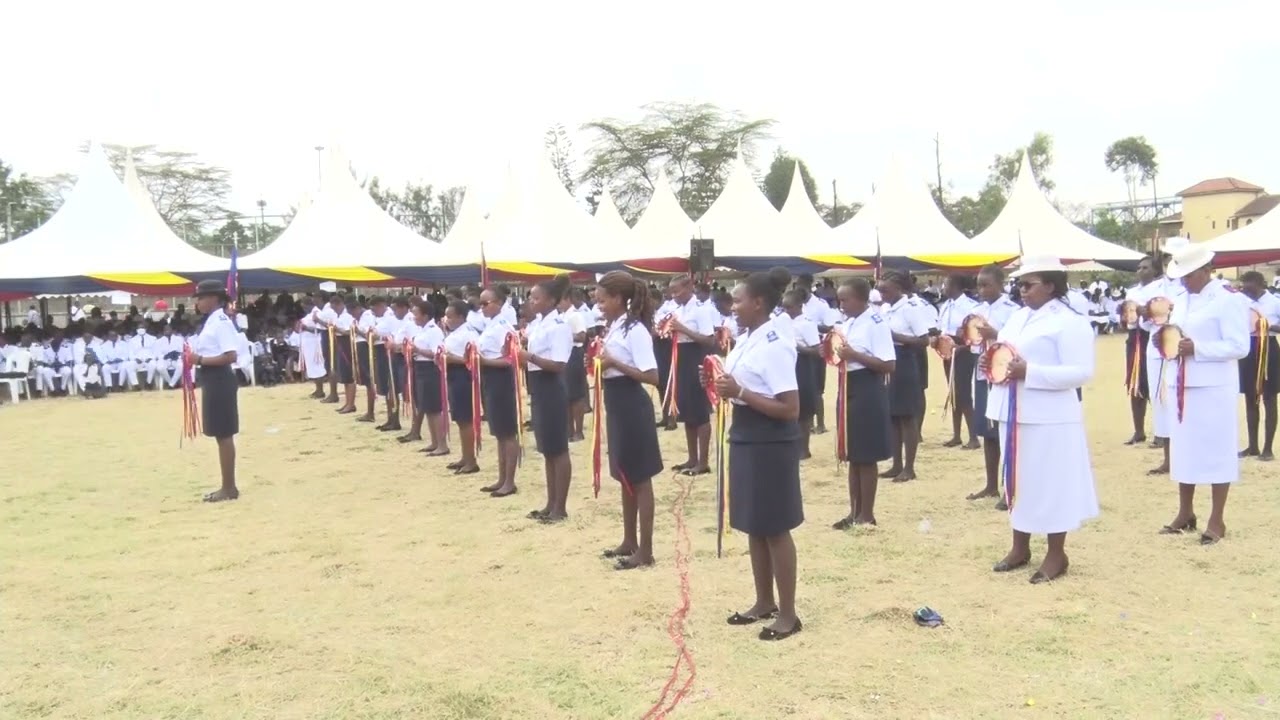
835	204
937	156
319	164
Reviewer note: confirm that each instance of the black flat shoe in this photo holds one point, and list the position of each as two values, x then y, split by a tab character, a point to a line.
612	553
626	564
1003	567
844	524
406	438
681	466
391	428
453	465
537	514
740	619
769	634
364	418
497	494
694	472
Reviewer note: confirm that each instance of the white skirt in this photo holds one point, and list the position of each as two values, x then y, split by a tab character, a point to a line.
1053	489
311	355
1203	448
1164	408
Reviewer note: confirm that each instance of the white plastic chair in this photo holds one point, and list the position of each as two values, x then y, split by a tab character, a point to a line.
19	362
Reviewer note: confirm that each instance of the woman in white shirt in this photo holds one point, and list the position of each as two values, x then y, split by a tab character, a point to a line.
909	321
426	338
628	363
808	347
995	308
958	368
546	357
498	383
693	332
458	379
1202	444
1049	480
764	455
869	359
575	373
214	352
1260	388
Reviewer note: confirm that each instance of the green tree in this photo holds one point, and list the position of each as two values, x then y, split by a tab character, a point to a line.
839	214
419	207
1135	159
973	214
560	149
777	182
185	189
695	143
25	202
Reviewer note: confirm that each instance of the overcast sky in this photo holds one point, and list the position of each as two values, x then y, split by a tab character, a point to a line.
448	93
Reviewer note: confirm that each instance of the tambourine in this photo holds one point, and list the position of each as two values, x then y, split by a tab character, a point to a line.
1167	339
971	330
1159	309
832	344
998	358
1258	323
1129	312
712	370
945	346
667	327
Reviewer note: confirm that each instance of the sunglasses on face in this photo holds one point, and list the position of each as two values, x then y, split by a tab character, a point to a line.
1025	285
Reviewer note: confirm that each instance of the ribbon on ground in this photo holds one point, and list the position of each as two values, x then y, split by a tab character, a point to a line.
442	366
665	331
472	361
511	351
713	369
832	344
190	411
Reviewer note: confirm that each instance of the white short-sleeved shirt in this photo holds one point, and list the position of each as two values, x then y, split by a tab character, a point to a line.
455	343
805	331
508	313
427	338
783	324
218	336
763	362
368	321
953	313
666	308
327	314
908	317
577	323
698	318
815	309
551	339
630	345
344	322
386	326
493	340
868	333
1268	306
404	331
476	320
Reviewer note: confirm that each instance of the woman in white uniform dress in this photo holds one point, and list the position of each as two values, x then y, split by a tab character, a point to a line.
1041	420
1215	325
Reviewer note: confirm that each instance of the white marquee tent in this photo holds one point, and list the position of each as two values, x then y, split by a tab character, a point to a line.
746	228
1258	242
101	237
1030	225
662	233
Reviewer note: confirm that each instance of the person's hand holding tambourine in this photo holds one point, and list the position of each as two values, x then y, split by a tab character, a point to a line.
1186	347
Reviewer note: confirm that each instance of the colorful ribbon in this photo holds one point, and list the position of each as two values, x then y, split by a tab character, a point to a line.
832	343
666	331
373	367
1263	330
596	367
355	357
1133	382
333	361
1011	448
724	339
511	350
712	370
471	358
442	367
406	400
190	411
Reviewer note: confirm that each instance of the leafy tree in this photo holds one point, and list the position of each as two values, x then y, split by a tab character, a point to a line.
25	202
973	214
839	214
186	190
1136	160
419	207
1122	231
695	143
777	182
1004	169
560	148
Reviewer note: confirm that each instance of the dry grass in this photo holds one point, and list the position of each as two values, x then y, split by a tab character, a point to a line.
353	580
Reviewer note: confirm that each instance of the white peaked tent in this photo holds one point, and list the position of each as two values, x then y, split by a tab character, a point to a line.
142	197
664	229
613	235
805	234
902	224
1258	242
101	232
742	221
342	235
536	228
464	236
1029	225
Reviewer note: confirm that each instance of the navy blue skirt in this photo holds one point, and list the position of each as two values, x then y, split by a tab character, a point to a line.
634	454
426	387
575	376
549	406
806	388
382	369
764	474
362	361
906	394
662	353
346	371
498	386
219	412
983	427
867	417
691	399
458	378
1249	369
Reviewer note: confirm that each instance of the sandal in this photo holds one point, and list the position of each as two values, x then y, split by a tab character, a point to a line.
627	564
1171	530
694	472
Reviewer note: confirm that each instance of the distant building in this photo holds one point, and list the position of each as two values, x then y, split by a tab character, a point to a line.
1213	207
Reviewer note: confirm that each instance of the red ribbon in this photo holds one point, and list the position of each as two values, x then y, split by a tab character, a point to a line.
442	365
511	350
471	357
190	412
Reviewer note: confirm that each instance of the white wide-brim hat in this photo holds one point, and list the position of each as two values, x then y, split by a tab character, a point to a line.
1038	264
1175	245
1188	260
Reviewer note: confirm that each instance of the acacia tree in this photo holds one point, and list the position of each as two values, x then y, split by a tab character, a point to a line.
187	192
560	149
419	207
973	214
1136	160
25	202
694	143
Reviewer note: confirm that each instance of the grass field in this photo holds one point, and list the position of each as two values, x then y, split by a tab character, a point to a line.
355	579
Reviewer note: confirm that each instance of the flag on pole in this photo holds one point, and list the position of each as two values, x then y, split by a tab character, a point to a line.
233	284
